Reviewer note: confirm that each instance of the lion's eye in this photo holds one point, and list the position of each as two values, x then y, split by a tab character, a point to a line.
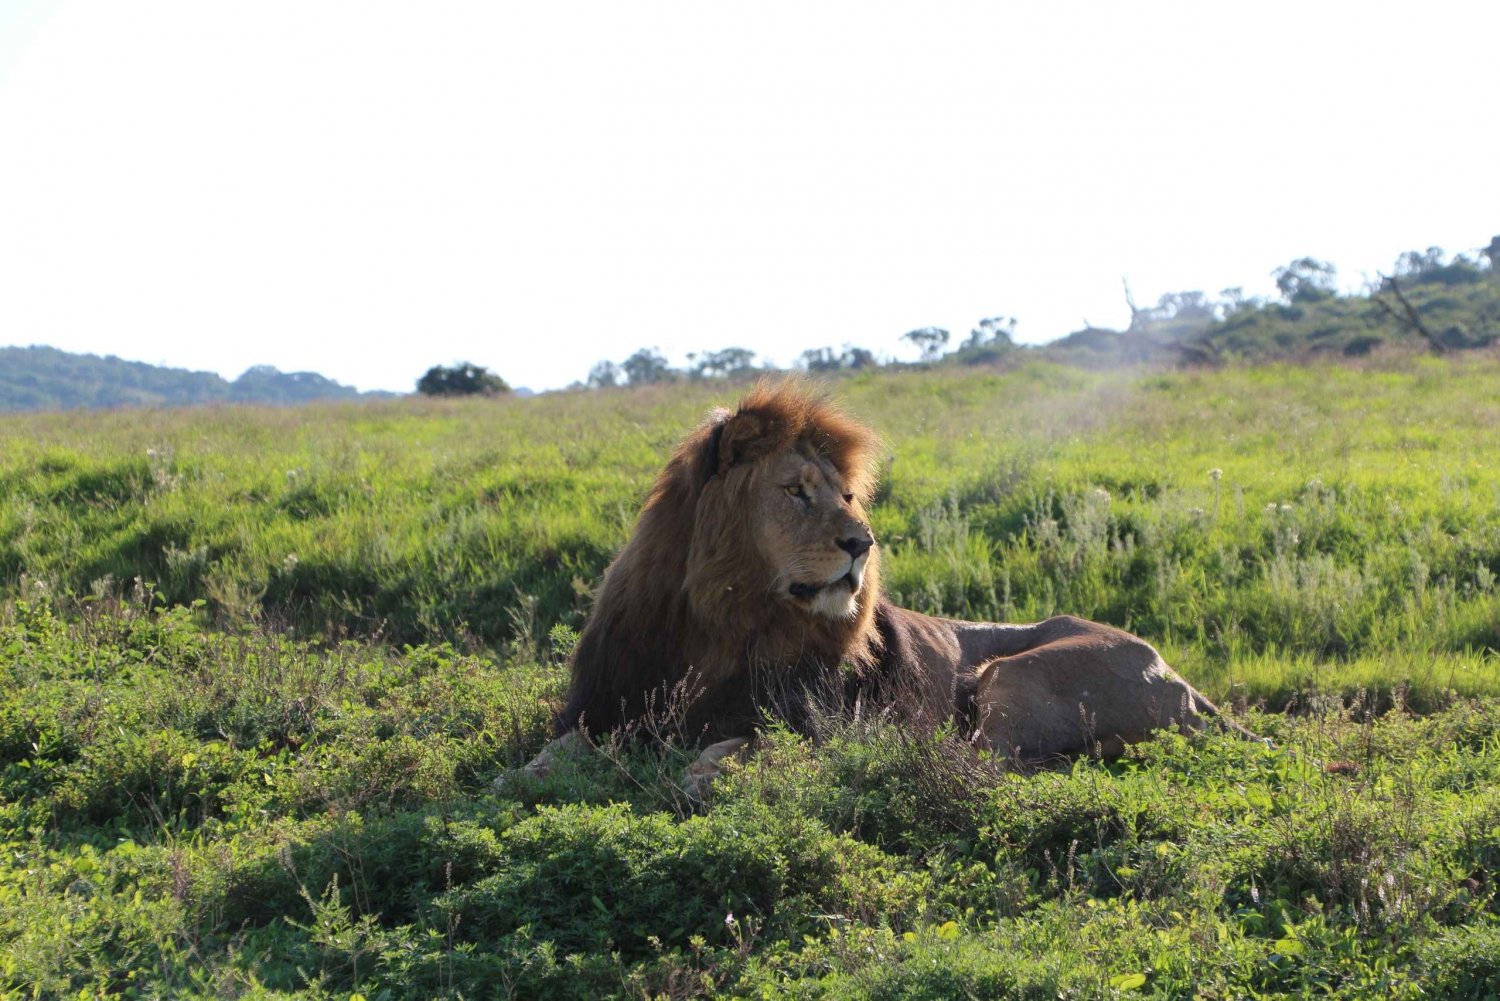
795	489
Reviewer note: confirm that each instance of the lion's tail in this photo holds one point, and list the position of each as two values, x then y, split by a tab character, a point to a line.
1229	723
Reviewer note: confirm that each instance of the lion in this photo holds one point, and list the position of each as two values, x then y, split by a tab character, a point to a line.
752	577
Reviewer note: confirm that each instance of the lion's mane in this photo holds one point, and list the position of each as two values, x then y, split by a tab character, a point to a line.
687	602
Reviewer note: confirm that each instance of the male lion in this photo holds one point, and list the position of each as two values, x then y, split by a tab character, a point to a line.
752	578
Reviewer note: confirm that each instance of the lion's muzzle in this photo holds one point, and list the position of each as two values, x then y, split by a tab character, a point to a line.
836	592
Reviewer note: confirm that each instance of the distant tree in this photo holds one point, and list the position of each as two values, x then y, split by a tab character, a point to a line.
1182	306
646	366
1414	263
991	341
729	361
827	360
463	379
604	375
1234	300
1306	279
1429	267
994	331
1492	252
819	360
929	340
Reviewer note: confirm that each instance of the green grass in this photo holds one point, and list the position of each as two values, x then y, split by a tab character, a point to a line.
190	814
264	771
1351	541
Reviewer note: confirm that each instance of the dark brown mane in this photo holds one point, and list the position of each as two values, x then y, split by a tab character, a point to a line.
687	598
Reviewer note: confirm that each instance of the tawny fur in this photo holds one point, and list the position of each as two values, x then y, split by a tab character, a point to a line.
687	596
697	604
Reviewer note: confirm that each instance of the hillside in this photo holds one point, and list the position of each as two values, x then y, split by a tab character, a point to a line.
43	378
259	669
1429	303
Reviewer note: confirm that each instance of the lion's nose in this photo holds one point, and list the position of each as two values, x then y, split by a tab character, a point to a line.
856	546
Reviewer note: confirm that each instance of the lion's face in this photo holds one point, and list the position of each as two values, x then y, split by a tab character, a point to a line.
811	531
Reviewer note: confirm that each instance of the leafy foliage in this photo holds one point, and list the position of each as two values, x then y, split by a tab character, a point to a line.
1306	280
828	360
462	379
724	363
217	815
645	367
928	340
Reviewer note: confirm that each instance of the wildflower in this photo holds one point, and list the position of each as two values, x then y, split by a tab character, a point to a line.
729	920
290	563
150	453
1196	512
1215	474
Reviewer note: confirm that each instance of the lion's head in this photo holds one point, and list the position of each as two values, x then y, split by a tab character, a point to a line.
752	554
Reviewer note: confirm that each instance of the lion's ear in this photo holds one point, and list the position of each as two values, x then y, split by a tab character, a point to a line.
745	437
708	456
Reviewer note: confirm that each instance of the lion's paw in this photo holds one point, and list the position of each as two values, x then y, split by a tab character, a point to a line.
699	777
543	764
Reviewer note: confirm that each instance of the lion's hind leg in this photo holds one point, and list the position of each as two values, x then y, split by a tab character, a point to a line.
1085	689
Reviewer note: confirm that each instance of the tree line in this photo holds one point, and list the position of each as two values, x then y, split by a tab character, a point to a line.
1450	303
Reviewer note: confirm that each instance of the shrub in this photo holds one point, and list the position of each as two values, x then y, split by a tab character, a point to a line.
605	878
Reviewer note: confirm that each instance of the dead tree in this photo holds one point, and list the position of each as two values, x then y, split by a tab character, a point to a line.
1407	316
1137	324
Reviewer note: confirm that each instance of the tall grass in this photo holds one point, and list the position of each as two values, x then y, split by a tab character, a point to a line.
1257	521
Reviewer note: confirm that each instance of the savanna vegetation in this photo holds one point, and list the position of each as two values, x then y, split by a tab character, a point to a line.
1429	300
259	669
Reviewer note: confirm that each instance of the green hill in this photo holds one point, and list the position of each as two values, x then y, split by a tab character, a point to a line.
1428	303
43	378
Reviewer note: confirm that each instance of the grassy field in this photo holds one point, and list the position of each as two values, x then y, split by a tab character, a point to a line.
259	667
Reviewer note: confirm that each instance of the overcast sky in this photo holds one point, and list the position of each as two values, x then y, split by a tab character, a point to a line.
365	189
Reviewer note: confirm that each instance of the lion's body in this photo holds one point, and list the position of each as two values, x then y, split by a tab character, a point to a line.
750	585
1037	691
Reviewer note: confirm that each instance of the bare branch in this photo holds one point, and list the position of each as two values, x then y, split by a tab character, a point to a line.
1135	311
1407	317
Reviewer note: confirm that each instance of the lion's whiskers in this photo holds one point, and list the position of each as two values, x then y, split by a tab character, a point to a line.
785	576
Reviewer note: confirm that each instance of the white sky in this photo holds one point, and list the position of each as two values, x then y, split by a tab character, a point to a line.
368	188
